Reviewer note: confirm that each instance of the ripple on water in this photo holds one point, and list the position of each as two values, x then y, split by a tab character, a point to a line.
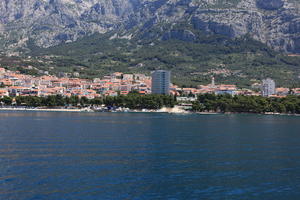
148	156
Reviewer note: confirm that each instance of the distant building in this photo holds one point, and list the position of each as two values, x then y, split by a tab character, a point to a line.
127	76
76	74
282	91
268	87
186	99
213	82
296	91
139	77
225	91
161	82
117	75
62	74
256	86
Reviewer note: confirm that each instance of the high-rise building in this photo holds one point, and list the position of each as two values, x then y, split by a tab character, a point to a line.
161	82
212	82
268	87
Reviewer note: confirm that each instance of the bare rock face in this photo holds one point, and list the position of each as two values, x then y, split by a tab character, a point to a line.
184	35
50	22
269	4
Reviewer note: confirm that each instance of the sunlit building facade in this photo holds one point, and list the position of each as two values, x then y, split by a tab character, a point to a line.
268	87
161	82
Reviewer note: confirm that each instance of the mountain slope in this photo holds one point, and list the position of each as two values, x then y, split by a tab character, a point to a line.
51	22
241	61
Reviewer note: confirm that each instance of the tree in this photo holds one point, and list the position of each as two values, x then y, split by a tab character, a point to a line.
84	101
197	106
6	100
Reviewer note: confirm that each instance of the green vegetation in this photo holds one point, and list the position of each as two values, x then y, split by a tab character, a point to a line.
132	101
191	63
6	100
241	61
247	104
206	102
136	101
49	101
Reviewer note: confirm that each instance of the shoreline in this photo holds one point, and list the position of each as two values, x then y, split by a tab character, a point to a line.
44	109
233	113
136	111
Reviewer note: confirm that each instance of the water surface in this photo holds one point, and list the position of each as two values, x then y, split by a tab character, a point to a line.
87	156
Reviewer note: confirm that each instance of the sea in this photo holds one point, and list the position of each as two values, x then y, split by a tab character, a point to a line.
141	156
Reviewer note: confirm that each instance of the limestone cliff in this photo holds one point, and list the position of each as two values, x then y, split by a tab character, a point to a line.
51	22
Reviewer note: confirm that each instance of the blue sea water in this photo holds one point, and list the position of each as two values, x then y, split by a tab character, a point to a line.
87	156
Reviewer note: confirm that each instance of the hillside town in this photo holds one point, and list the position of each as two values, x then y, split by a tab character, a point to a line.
14	83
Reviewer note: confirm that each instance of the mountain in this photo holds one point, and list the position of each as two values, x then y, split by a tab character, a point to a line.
46	23
237	41
242	61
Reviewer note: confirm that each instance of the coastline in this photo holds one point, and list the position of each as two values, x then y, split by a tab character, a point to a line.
44	109
164	110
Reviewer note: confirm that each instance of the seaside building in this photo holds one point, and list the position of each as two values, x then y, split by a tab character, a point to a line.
282	91
186	99
231	92
268	87
213	82
127	77
3	92
161	82
17	84
296	91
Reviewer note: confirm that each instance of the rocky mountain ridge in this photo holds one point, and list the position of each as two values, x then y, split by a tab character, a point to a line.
50	22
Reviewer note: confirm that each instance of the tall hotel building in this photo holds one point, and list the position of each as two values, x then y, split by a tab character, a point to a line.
268	87
161	80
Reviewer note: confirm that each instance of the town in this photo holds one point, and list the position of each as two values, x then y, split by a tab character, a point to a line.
13	84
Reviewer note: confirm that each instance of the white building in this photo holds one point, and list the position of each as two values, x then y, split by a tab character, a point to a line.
268	87
127	76
186	99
